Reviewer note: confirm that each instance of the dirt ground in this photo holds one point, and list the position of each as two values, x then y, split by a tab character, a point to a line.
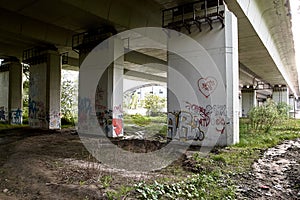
37	164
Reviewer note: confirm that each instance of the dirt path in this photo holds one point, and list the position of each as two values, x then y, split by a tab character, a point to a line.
36	164
276	175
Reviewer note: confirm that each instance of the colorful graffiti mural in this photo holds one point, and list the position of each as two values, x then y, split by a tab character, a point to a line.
192	123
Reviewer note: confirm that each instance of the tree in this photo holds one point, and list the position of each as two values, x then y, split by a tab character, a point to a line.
154	104
25	95
67	100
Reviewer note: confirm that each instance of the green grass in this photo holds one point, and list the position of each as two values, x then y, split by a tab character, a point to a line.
4	126
150	125
197	186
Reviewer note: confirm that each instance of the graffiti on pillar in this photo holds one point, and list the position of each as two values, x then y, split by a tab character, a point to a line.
54	120
84	111
32	109
117	126
202	113
37	114
207	85
100	93
184	125
219	118
3	115
16	116
117	120
105	120
192	123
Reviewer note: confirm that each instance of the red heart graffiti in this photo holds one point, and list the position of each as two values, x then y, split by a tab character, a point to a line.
207	85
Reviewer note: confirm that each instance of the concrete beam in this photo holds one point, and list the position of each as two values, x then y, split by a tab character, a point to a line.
16	28
73	64
266	20
141	59
123	14
144	76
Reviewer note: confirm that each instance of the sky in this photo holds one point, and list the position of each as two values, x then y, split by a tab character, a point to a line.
295	10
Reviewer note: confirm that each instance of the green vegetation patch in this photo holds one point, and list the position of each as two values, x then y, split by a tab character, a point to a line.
214	185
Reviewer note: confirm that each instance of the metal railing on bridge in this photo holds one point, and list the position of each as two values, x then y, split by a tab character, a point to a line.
89	39
195	13
37	55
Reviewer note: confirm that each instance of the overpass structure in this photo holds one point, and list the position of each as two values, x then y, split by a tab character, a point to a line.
250	41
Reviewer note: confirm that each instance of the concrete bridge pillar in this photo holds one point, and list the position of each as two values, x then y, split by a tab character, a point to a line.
292	104
198	109
249	100
281	94
108	99
11	87
44	90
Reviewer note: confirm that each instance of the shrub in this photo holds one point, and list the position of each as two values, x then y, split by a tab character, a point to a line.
264	117
140	120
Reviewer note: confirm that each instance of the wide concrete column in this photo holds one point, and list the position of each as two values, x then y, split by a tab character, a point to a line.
11	87
109	95
190	118
281	94
45	90
249	100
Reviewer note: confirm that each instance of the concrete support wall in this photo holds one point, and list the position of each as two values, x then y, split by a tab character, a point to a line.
44	92
195	105
240	105
11	85
248	101
4	87
281	94
15	92
292	104
109	95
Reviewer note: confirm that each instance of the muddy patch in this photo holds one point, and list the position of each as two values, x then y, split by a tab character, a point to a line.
276	175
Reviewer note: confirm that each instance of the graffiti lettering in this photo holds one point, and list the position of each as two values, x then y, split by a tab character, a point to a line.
16	116
204	113
118	109
37	114
184	125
